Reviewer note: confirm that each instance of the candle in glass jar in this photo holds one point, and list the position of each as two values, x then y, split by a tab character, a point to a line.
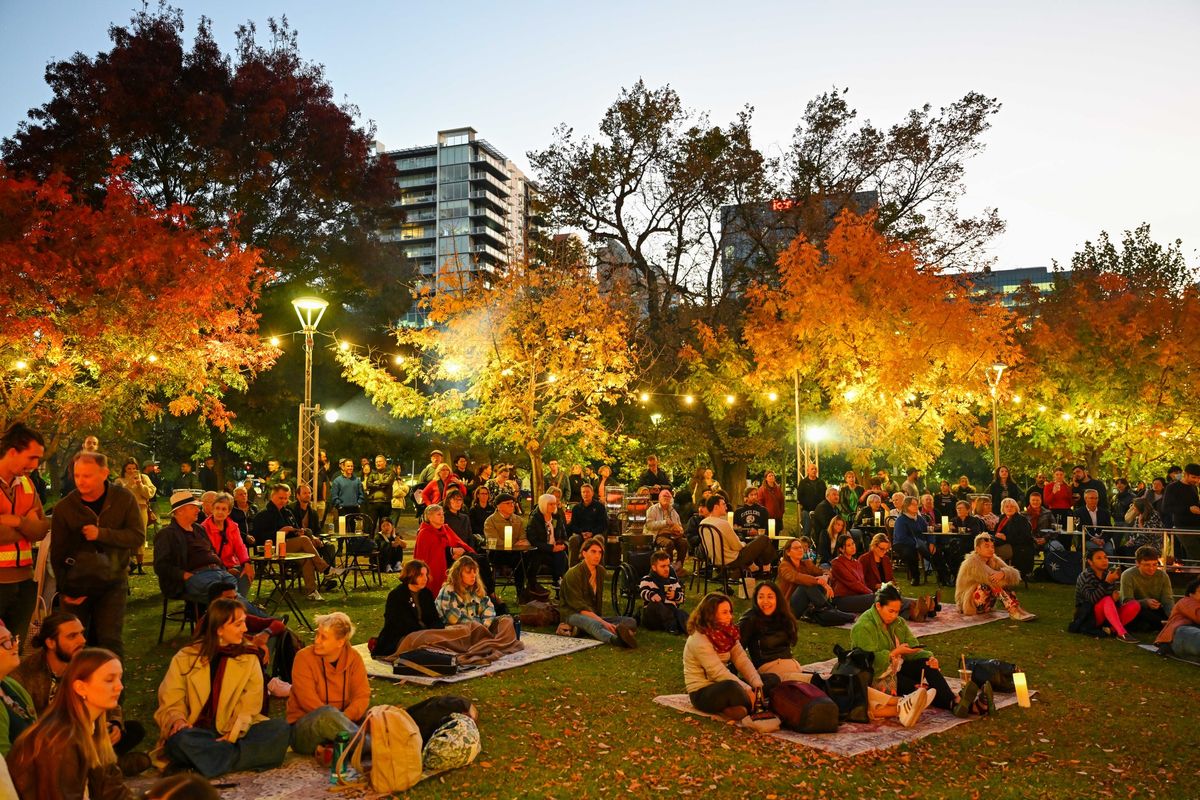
342	525
508	537
771	527
945	524
1070	524
729	516
1022	688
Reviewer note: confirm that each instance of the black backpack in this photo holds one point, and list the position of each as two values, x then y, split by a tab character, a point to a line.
848	683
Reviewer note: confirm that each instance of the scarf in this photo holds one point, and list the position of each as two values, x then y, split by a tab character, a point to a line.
723	637
208	715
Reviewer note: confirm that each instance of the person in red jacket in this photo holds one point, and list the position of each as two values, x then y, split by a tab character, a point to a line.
770	494
436	490
226	538
1058	497
437	545
877	569
850	590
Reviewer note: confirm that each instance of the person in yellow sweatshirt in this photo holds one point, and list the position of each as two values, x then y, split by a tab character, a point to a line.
330	693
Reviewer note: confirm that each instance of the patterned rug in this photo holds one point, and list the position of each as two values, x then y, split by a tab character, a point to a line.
538	647
853	738
948	619
299	778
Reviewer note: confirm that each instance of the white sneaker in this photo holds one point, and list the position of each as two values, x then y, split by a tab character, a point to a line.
911	706
314	595
279	688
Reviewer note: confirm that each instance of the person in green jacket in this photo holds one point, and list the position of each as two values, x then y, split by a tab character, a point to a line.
582	592
16	706
881	631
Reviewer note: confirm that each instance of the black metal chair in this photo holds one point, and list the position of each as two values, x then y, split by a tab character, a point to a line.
353	562
187	614
719	570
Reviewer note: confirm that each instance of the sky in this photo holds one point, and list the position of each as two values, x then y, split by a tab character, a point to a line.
1101	100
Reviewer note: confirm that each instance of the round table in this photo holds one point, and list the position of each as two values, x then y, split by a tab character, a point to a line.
277	570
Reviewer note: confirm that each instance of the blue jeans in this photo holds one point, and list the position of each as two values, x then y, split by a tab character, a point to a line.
1186	641
261	747
595	628
317	726
196	587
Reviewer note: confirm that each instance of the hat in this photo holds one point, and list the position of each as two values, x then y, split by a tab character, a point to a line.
183	497
505	498
437	453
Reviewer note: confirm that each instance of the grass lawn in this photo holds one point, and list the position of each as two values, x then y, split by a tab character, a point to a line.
1110	720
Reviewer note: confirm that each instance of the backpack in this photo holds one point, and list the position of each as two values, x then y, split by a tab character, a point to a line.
804	708
1062	566
539	614
395	764
849	681
455	744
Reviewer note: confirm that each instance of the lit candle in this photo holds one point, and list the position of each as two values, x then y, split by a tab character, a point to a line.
771	527
945	524
729	517
1022	689
342	525
1070	524
877	515
508	537
279	537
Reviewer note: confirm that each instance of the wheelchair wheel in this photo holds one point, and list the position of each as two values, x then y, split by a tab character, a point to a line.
624	590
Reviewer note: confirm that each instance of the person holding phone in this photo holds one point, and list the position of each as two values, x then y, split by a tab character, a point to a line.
1097	601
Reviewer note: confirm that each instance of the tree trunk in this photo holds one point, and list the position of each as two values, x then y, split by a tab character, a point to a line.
534	449
219	448
731	475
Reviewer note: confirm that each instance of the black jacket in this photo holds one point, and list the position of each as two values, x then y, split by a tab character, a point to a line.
170	557
404	614
766	638
810	493
538	533
270	520
592	518
121	531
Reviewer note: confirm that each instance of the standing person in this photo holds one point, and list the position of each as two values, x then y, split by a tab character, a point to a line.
436	490
770	494
662	596
187	479
711	655
22	522
67	754
143	491
1058	497
1083	482
751	515
1122	500
346	493
207	474
153	471
94	529
210	701
91	444
1181	506
810	492
330	693
429	472
576	479
1002	486
653	476
583	600
1039	486
400	490
379	491
324	476
662	521
462	471
911	486
964	490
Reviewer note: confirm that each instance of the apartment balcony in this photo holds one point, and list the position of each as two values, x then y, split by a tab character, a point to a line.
420	216
489	180
492	235
497	202
480	210
418	200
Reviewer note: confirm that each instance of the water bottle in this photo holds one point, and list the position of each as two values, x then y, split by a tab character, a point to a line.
517	624
340	742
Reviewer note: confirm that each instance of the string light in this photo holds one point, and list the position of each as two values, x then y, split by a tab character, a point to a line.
21	365
344	346
688	399
772	396
551	378
152	358
1017	398
644	397
274	340
398	360
1066	415
729	399
1042	409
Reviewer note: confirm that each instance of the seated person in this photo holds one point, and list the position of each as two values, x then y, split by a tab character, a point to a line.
662	521
437	545
227	543
984	578
983	510
209	703
275	517
68	748
1014	537
18	710
1150	587
583	600
589	518
1096	522
870	516
524	560
410	607
184	560
41	672
911	544
1181	635
330	693
1039	517
1096	601
463	597
263	634
662	595
768	634
967	526
756	555
711	654
805	587
547	532
822	517
877	569
901	663
751	516
307	517
691	531
850	592
391	547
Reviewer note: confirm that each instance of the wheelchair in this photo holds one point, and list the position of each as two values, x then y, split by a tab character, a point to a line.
636	550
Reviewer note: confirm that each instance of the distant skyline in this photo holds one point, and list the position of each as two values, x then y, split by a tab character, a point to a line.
1101	103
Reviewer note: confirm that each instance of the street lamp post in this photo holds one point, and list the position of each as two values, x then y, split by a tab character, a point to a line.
994	372
309	310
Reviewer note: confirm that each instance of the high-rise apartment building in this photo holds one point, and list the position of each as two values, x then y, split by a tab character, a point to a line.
467	209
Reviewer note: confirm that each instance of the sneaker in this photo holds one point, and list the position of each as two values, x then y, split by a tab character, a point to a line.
626	636
966	699
1127	639
911	706
314	595
279	688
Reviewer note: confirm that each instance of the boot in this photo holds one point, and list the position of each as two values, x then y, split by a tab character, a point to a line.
966	699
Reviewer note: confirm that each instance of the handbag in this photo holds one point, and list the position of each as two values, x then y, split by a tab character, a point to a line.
762	720
426	663
91	569
998	673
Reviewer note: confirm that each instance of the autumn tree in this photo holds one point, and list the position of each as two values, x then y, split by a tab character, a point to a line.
119	311
890	351
526	363
1110	375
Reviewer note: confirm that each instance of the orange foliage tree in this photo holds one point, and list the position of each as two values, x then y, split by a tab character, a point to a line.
119	311
889	352
529	362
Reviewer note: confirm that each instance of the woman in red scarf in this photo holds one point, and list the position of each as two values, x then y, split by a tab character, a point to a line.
712	652
437	545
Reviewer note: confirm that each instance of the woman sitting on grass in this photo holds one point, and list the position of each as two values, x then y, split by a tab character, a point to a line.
67	754
768	633
877	569
850	592
463	597
713	646
1181	635
984	579
410	607
1096	596
330	693
805	587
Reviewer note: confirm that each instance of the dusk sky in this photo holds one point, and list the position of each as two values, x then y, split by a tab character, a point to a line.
1098	131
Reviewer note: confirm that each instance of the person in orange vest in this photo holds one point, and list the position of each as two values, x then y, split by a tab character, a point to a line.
22	522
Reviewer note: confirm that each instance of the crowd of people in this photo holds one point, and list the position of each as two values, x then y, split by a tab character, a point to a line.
64	698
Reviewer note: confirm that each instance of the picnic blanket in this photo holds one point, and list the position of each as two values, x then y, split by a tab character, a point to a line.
538	647
471	642
853	738
948	619
299	778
